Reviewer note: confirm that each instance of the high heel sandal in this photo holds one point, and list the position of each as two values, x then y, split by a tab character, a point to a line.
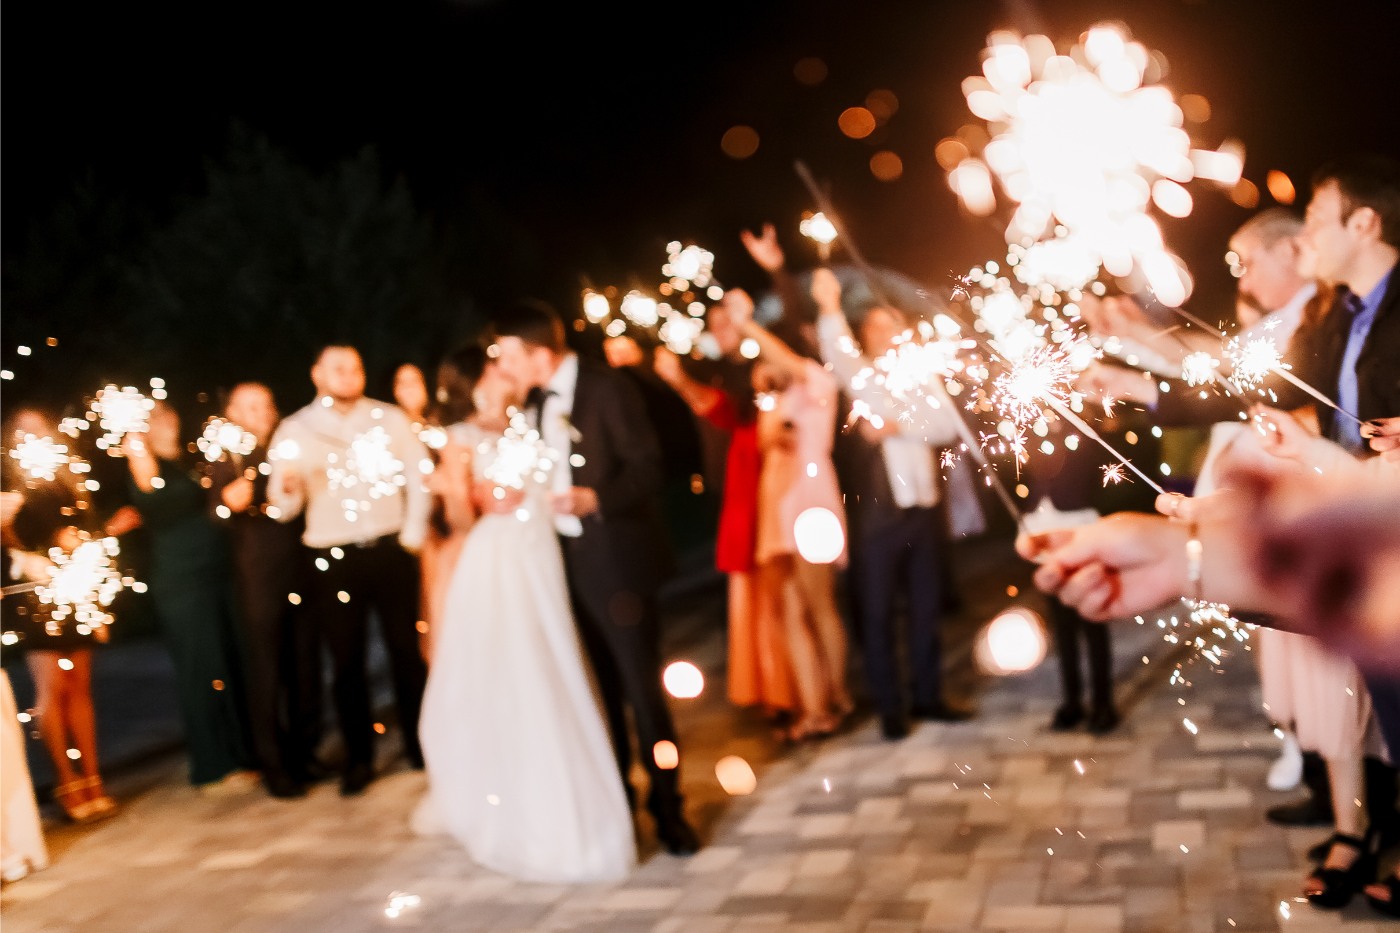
1390	906
1339	885
70	797
101	804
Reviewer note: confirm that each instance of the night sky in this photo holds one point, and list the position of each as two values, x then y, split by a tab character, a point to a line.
587	135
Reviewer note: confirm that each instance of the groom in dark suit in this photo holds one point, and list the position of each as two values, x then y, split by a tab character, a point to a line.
606	487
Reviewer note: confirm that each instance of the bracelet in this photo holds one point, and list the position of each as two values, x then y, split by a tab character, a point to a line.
1194	553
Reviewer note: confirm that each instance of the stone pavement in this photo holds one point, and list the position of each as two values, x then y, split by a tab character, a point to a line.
995	824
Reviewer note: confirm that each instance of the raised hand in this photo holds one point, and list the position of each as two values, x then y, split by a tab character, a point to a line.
764	248
826	291
667	366
238	495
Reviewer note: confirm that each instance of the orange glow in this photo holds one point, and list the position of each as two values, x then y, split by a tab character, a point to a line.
666	755
739	142
949	152
886	166
856	122
1281	187
1245	194
810	71
1195	108
882	103
735	776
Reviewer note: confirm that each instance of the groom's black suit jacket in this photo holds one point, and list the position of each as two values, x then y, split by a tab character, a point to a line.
624	545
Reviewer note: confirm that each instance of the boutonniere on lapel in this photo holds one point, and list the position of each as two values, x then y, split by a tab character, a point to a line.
574	435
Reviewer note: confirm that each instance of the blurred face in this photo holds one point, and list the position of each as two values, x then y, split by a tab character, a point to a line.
720	323
252	408
1336	242
878	330
32	422
410	389
525	366
163	432
1271	274
340	374
769	378
493	393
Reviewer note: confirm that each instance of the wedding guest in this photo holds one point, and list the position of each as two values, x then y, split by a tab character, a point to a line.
354	466
411	393
23	848
796	431
758	668
893	497
282	668
43	513
191	592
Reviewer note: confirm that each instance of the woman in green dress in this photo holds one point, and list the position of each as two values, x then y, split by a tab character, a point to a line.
191	593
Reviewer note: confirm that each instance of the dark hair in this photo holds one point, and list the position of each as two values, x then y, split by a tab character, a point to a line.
1366	180
533	321
326	348
457	376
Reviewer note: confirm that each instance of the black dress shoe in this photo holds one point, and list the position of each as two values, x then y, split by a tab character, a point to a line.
894	727
1067	717
283	786
355	780
941	712
1103	719
312	771
1306	812
676	835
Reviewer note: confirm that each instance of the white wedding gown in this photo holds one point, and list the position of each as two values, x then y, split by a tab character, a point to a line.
520	767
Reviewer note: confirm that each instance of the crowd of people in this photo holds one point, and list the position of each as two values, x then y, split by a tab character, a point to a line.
498	526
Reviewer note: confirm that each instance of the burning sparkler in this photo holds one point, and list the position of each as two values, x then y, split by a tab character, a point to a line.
370	471
120	412
222	437
518	456
83	584
819	228
40	457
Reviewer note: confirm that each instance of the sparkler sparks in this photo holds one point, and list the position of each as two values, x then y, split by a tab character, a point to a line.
518	456
83	584
1084	144
222	437
370	471
1252	360
1199	368
40	457
120	412
1113	473
1041	376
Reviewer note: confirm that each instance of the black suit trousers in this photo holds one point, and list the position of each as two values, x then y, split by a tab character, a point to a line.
620	630
900	554
381	578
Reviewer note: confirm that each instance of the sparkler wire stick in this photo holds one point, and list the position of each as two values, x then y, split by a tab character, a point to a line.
964	432
1063	411
1277	370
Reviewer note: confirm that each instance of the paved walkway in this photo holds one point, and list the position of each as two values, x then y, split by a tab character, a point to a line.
995	824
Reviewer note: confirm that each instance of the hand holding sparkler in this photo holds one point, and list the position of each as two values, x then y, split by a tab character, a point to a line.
238	494
579	501
1384	437
826	291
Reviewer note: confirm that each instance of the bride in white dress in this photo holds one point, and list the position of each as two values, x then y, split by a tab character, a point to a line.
520	767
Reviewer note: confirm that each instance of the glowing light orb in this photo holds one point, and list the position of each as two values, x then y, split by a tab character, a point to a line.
666	755
820	537
683	680
735	776
1012	643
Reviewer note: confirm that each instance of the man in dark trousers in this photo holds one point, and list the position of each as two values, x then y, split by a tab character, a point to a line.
605	490
282	653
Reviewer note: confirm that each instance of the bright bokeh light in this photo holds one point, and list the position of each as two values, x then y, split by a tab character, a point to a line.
666	755
820	537
735	776
1012	643
683	680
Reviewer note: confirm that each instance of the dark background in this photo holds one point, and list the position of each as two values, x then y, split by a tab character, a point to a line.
207	192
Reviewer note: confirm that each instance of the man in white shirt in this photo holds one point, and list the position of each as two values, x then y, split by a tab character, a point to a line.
355	467
890	476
